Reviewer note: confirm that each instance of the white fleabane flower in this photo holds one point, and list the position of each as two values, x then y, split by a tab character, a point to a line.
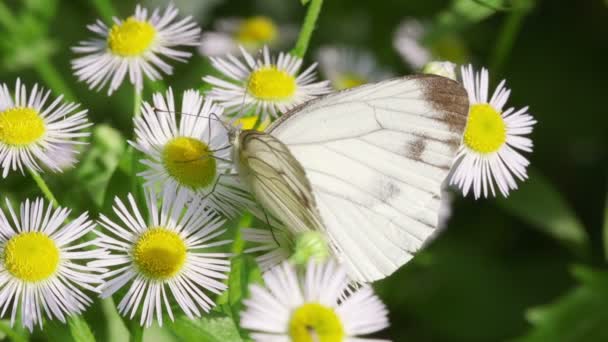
265	86
252	33
33	133
165	259
407	42
492	139
134	47
194	155
349	67
41	270
315	307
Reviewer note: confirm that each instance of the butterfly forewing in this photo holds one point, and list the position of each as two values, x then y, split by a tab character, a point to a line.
375	157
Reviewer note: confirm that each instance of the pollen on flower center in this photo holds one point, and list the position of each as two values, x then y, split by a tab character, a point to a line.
21	126
350	81
31	256
159	253
486	131
256	30
270	83
190	162
312	322
131	38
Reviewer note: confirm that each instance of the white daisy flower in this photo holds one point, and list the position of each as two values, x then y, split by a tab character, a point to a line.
41	268
492	139
273	246
164	259
265	86
349	67
33	133
312	307
407	42
194	155
411	40
134	46
251	33
441	68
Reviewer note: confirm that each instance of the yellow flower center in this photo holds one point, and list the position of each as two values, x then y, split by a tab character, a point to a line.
486	131
350	81
270	83
20	126
313	322
131	38
31	256
256	31
190	162
249	122
159	253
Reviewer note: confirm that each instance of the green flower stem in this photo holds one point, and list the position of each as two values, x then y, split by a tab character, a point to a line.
44	187
6	17
606	227
508	34
53	79
105	9
137	99
310	21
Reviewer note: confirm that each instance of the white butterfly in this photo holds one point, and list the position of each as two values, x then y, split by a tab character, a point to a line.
364	166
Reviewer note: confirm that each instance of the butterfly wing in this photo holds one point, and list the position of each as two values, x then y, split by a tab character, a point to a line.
277	180
375	157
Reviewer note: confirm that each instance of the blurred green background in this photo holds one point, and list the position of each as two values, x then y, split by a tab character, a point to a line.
531	267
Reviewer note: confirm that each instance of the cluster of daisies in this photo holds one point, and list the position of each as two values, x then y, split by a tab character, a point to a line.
170	255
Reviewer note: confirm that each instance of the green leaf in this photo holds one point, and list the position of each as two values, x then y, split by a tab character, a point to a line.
100	161
13	334
243	272
538	203
124	181
213	327
304	2
80	330
580	315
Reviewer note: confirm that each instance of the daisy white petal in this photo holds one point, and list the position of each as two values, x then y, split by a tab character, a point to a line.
349	67
194	154
133	48
38	132
165	259
489	157
266	86
41	270
312	306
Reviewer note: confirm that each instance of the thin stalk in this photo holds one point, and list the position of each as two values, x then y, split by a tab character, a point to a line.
105	9
605	232
137	99
44	187
310	21
137	103
506	39
53	79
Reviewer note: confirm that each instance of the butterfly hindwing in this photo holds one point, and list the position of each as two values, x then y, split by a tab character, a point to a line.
375	157
277	180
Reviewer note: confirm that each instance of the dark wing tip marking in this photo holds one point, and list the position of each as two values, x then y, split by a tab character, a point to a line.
450	98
